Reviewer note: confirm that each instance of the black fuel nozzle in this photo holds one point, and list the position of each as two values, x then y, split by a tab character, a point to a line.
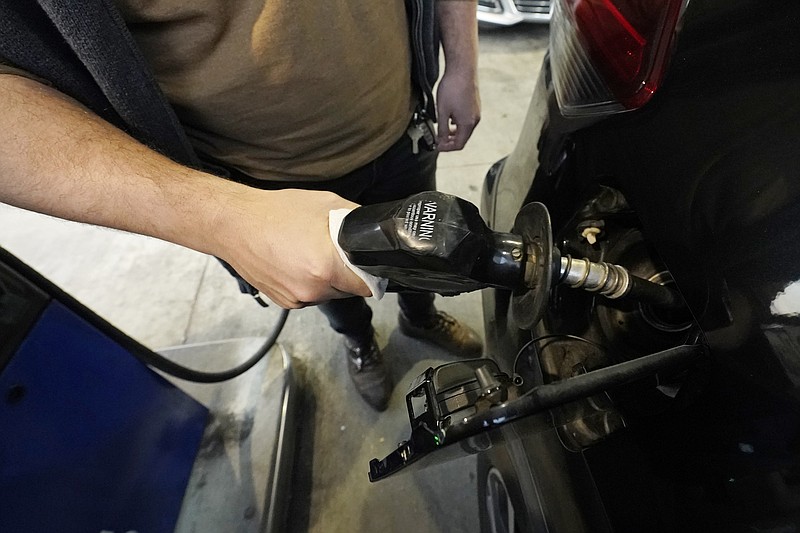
432	242
436	242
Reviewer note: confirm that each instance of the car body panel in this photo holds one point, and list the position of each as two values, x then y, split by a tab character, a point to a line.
709	170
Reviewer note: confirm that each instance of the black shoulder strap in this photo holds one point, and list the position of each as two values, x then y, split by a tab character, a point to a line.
84	48
424	36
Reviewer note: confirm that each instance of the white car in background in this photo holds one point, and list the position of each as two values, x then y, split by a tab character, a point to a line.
509	12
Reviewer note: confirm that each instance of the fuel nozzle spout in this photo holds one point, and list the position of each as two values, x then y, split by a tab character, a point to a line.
615	282
545	268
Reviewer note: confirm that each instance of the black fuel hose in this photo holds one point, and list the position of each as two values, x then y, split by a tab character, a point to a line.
172	368
50	291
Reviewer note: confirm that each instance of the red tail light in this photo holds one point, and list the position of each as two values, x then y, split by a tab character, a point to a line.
609	56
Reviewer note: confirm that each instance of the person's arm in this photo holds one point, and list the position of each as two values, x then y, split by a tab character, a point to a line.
58	158
457	101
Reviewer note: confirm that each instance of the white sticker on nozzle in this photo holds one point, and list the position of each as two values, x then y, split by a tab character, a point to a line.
420	220
376	285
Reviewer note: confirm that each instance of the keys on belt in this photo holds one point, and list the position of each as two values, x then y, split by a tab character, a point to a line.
421	129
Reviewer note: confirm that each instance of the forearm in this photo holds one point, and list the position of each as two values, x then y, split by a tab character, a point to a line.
457	100
58	158
459	33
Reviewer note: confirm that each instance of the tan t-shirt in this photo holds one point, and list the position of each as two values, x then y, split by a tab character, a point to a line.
281	89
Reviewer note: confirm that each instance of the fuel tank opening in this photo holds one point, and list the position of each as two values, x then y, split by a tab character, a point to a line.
545	267
666	319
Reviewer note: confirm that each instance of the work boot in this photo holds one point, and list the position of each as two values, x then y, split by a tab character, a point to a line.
446	332
368	372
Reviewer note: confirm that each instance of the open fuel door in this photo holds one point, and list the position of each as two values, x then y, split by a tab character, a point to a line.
453	408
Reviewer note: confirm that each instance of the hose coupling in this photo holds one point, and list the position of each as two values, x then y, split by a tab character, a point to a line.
611	281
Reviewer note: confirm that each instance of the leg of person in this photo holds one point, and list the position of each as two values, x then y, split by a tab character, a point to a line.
352	317
420	319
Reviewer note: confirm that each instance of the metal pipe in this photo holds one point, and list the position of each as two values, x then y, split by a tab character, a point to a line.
614	281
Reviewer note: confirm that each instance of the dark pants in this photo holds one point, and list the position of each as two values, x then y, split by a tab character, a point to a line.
394	175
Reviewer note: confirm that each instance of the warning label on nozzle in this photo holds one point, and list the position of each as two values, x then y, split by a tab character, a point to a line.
420	220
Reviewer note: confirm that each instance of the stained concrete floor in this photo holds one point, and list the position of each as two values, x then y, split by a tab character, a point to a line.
163	295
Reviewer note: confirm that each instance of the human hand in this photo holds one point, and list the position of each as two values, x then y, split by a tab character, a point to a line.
458	109
279	241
